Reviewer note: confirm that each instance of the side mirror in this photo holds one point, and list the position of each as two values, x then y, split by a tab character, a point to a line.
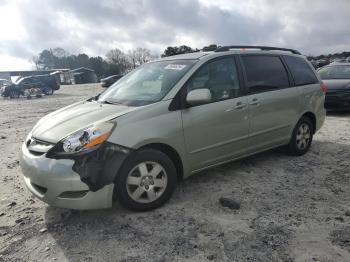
198	97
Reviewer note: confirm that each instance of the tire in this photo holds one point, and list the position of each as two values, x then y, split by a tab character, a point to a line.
38	96
137	188
29	97
48	91
302	137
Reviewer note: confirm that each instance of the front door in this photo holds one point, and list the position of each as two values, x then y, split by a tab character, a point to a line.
217	131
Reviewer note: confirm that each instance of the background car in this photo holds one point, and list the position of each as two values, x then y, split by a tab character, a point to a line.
31	86
110	80
336	76
322	62
47	83
3	84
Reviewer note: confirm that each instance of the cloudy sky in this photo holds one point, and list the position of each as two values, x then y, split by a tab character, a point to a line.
96	26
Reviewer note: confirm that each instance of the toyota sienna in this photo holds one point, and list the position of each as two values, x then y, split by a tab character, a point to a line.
169	119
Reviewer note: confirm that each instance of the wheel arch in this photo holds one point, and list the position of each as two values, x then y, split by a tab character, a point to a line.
171	153
312	118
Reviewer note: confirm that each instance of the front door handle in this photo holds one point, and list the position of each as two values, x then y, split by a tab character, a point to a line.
240	105
254	102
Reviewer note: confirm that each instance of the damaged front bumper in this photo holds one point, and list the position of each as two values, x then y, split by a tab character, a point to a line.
83	183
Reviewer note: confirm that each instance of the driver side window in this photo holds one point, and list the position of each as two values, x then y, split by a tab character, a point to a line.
220	77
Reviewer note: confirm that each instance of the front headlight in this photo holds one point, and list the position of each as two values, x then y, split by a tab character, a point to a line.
84	140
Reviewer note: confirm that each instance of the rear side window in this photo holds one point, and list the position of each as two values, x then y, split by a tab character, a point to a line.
264	73
301	71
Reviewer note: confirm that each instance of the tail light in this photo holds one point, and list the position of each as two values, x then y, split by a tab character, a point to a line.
323	87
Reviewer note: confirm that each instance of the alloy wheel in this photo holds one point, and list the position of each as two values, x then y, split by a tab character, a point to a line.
146	182
303	136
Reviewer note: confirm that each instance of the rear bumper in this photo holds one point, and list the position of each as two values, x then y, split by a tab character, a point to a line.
54	182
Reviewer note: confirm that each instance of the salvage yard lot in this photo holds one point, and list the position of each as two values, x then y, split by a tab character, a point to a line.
292	208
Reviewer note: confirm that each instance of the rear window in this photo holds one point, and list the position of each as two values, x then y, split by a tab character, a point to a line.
264	73
301	71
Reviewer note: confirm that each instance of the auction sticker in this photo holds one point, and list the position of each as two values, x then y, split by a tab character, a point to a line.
175	67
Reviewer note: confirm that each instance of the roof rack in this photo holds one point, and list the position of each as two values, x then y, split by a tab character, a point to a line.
263	48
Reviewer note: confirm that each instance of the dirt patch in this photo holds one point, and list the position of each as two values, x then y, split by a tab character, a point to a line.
341	237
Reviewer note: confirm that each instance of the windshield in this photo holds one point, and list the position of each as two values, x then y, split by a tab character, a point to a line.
335	72
146	84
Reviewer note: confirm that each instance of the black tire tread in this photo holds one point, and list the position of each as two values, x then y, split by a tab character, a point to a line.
292	147
146	154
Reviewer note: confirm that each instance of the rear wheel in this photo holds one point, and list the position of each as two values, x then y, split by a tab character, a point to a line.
146	180
302	137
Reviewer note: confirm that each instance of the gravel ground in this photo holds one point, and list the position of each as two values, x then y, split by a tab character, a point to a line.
292	208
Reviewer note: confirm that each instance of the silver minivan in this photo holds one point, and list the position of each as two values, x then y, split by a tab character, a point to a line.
169	119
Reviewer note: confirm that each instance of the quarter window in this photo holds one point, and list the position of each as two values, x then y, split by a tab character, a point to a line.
264	73
220	77
301	71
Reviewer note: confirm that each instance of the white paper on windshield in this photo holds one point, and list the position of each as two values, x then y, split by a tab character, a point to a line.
175	67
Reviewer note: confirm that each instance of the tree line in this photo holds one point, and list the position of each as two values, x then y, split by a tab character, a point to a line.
330	56
115	61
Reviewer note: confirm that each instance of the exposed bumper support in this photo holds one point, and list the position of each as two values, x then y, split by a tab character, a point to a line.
99	168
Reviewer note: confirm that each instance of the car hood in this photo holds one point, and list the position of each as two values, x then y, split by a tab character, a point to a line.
336	84
63	122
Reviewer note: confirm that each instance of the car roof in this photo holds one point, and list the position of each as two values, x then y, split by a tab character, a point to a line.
195	55
207	55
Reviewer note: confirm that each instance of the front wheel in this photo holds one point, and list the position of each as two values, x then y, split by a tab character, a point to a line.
146	180
301	137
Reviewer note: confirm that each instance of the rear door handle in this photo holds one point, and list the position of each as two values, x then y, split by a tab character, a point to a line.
254	102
